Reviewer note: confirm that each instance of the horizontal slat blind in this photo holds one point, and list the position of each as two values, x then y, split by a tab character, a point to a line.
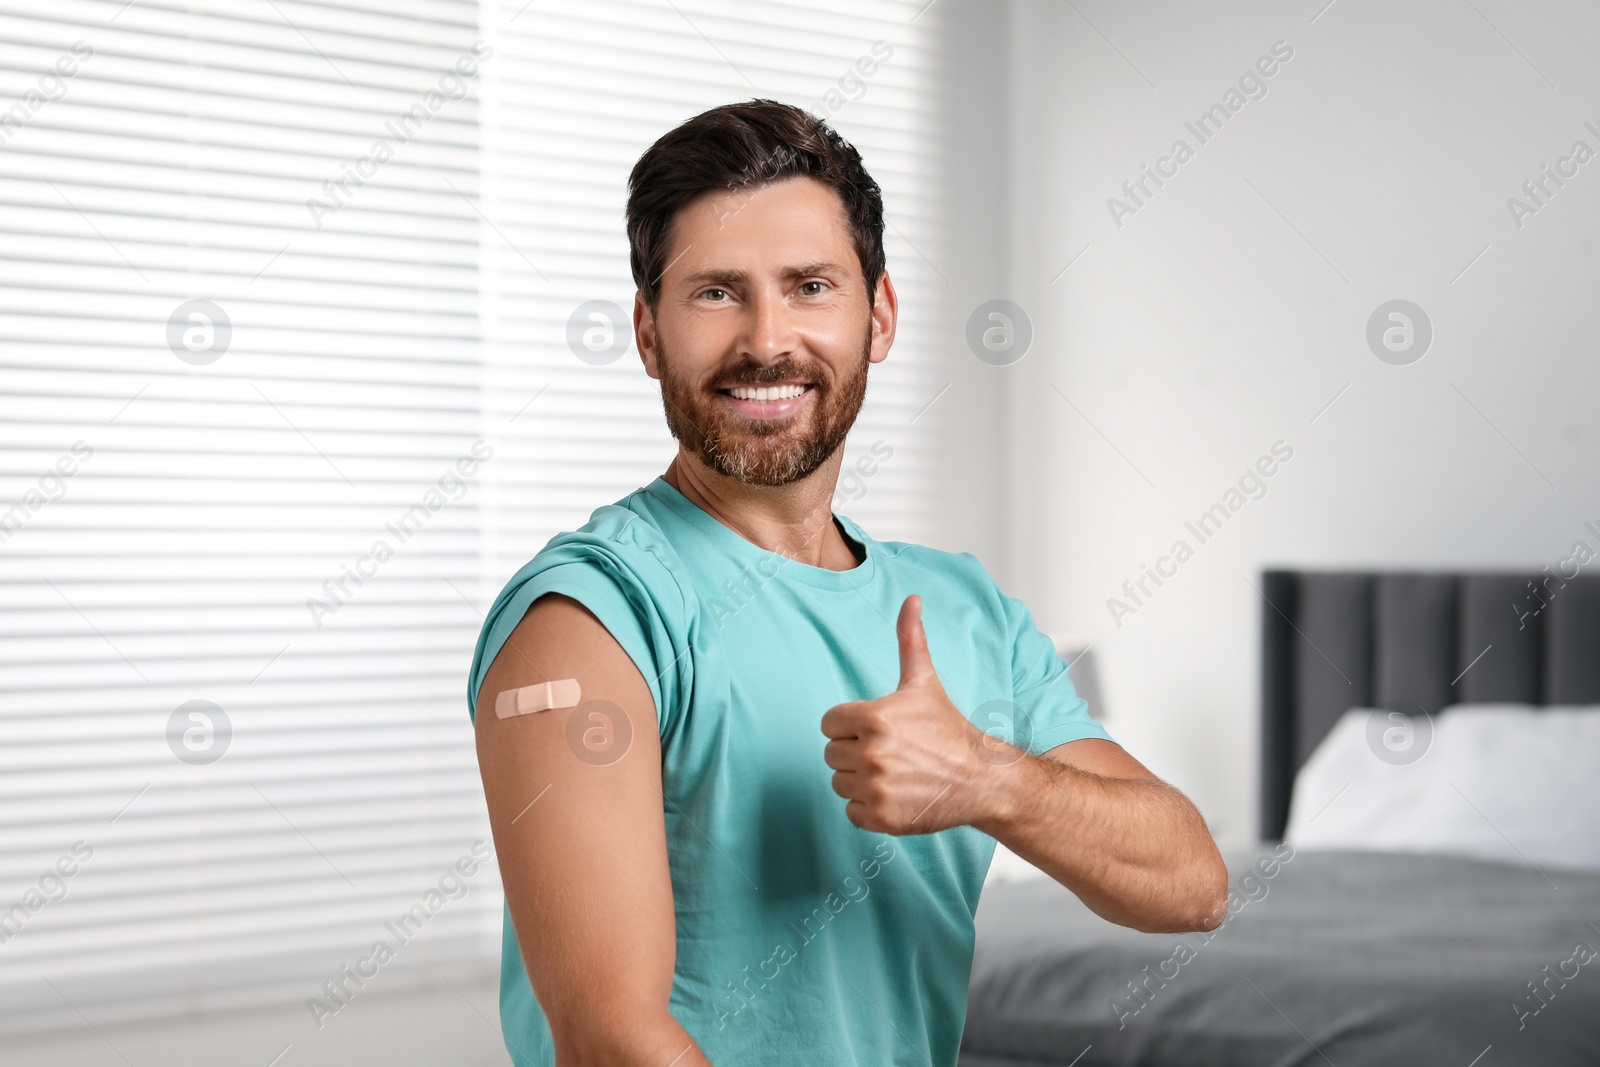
218	484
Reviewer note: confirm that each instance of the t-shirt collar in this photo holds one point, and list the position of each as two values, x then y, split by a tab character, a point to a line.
728	541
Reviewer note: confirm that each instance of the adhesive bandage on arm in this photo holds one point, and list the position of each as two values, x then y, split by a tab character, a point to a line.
562	693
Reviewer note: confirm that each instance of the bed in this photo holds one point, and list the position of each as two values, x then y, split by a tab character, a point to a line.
1339	955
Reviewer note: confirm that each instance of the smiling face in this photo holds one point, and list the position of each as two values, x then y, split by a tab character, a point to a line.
763	331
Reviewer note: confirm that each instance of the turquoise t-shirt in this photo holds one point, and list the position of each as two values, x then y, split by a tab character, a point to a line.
801	939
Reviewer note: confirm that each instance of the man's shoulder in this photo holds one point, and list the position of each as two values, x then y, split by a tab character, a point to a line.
619	564
628	521
625	535
622	568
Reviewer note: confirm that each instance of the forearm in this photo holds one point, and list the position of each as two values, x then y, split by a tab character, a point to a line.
1134	850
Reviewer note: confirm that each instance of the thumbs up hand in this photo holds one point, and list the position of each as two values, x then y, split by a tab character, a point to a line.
907	762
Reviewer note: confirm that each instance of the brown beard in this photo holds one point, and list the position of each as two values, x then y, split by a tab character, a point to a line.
761	451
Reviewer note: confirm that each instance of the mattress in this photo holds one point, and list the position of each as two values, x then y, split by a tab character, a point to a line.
1343	958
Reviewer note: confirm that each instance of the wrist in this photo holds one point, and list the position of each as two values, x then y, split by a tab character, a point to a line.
1007	780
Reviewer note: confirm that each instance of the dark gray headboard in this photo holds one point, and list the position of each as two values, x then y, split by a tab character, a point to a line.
1337	640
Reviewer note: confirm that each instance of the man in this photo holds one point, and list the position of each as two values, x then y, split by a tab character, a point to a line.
751	824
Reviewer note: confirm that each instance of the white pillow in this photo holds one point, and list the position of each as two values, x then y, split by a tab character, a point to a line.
1347	797
1504	782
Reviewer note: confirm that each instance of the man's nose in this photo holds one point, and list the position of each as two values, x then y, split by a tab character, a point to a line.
769	328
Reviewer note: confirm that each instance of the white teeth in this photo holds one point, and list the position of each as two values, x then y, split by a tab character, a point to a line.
767	392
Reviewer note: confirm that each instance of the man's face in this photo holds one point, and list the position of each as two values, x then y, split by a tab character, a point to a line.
763	333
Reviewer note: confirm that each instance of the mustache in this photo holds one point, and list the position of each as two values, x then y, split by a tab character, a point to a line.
782	371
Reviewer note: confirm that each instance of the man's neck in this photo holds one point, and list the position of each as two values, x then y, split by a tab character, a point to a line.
794	520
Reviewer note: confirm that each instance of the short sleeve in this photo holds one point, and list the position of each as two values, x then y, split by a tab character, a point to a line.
627	586
1049	708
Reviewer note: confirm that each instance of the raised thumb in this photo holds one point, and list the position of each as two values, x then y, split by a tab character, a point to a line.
916	666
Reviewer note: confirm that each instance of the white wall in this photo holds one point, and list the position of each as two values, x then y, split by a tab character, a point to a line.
1228	310
969	416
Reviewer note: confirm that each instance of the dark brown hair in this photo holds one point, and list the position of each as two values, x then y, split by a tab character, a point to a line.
739	146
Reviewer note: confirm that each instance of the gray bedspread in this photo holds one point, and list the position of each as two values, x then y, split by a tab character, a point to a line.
1343	958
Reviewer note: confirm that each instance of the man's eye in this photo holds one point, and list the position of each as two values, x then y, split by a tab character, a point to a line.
816	283
719	292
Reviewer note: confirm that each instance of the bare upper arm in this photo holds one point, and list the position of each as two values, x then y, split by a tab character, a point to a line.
1096	755
579	830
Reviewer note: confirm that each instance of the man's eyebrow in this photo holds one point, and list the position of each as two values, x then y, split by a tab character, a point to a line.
731	276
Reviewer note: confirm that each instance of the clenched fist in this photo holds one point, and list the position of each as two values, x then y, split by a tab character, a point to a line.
908	762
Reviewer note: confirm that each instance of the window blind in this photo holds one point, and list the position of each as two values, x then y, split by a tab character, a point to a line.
287	296
242	350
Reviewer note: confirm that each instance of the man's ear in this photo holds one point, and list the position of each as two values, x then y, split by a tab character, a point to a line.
644	334
885	314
